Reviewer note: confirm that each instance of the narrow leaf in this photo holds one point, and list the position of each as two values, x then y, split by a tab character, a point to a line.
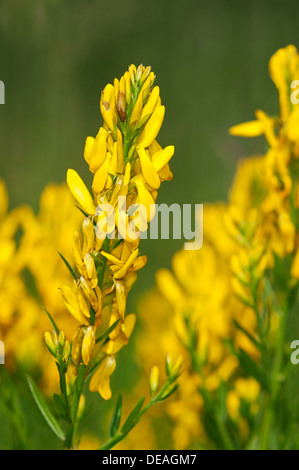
61	408
51	320
108	331
69	267
132	419
44	409
114	424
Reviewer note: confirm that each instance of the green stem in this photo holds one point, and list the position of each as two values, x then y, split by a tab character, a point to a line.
275	381
78	388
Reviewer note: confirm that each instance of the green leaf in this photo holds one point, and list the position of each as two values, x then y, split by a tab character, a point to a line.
44	409
77	390
81	210
251	368
252	339
69	267
170	392
61	408
108	331
51	320
133	418
114	424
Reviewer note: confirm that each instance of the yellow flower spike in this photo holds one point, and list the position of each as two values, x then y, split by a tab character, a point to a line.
121	297
148	170
101	176
107	106
98	151
154	380
146	200
88	343
248	129
152	127
137	111
72	305
100	381
80	192
120	153
150	105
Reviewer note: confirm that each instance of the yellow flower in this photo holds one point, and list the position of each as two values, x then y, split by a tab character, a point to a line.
100	381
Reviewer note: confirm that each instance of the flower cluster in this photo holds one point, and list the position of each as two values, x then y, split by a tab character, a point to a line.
226	307
128	166
30	274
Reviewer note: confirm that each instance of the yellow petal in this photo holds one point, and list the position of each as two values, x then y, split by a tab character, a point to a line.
87	149
123	271
80	192
88	343
120	153
152	127
101	176
137	111
107	106
150	105
247	129
98	151
146	200
161	159
100	381
72	305
148	170
121	297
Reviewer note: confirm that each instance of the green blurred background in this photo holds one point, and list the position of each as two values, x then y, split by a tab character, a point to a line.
211	62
